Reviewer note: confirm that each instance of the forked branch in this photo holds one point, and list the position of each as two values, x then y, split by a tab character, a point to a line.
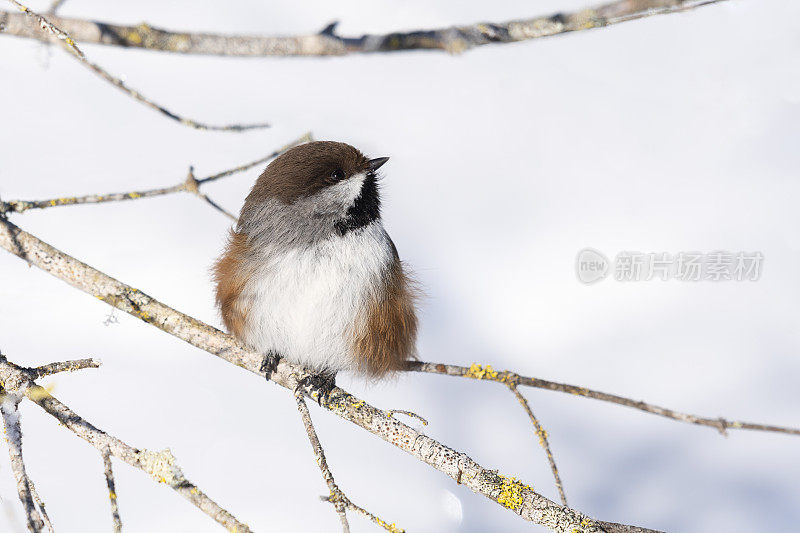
16	382
190	184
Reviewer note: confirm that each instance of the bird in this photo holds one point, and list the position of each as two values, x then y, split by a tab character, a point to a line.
309	273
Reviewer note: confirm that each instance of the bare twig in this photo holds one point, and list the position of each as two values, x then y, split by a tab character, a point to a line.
40	504
328	42
487	373
337	497
10	412
48	30
189	184
112	491
504	490
391	528
542	434
63	366
306	137
192	185
160	465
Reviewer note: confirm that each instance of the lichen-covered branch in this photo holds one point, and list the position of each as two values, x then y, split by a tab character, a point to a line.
16	380
10	412
505	490
487	373
327	42
48	31
337	497
108	470
189	184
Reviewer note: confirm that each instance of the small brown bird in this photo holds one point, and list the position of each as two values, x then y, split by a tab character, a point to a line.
310	274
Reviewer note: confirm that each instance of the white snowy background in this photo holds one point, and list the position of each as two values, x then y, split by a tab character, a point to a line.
667	134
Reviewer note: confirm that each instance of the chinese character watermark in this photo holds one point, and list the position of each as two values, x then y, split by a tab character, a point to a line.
592	266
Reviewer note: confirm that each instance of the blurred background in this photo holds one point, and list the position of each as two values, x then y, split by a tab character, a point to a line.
666	134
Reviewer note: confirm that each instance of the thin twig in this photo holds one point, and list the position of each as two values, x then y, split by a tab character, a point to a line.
63	366
542	434
112	491
306	137
189	184
161	466
391	528
327	42
487	373
9	409
192	185
40	504
69	44
219	208
337	497
504	490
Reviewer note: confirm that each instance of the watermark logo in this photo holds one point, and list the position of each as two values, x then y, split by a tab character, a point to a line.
592	266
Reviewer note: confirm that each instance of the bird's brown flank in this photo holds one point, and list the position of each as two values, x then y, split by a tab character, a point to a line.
389	334
230	274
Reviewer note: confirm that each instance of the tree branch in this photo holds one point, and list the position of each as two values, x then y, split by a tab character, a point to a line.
63	366
487	373
337	497
542	434
504	490
10	412
112	491
327	42
40	504
189	184
47	31
161	465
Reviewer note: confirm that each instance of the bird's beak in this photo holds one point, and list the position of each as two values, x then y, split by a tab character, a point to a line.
375	164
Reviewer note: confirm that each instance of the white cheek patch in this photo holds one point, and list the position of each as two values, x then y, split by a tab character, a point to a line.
343	194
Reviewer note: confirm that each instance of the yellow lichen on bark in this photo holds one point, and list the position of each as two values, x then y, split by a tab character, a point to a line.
477	371
511	492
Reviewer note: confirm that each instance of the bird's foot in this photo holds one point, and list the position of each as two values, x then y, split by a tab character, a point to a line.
321	385
270	363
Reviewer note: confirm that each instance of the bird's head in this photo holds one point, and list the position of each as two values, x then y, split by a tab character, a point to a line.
322	183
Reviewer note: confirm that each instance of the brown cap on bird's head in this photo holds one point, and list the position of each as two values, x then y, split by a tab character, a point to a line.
309	168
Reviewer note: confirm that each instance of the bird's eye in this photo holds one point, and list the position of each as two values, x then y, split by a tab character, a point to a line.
337	175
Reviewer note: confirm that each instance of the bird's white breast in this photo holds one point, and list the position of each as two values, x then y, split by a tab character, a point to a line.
305	303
